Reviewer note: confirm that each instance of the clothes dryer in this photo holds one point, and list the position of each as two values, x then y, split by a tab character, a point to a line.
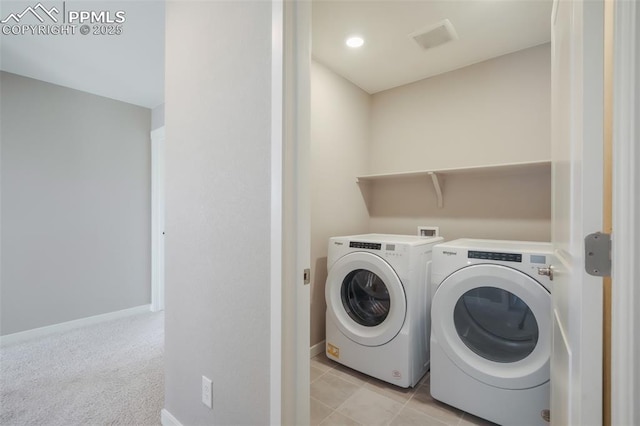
491	329
378	302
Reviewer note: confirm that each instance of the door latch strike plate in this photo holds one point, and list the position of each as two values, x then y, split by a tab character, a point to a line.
597	254
307	276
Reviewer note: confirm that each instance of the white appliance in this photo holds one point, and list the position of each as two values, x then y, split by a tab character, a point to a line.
378	301
491	329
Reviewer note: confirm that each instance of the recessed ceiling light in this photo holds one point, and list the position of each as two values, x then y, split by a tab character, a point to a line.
355	41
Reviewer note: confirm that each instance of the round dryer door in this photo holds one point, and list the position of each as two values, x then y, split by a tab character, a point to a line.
365	299
494	323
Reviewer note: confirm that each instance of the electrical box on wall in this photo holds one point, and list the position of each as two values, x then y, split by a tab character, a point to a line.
428	231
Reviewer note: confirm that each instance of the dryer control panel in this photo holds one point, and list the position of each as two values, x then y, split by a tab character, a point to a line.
506	257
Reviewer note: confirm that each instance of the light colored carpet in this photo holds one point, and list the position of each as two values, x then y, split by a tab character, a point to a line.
106	374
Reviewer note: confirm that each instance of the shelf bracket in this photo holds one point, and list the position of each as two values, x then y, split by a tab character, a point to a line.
437	187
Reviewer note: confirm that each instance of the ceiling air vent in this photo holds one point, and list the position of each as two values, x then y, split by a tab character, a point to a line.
435	35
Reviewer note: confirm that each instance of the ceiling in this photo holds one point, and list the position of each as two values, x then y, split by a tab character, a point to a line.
130	67
390	58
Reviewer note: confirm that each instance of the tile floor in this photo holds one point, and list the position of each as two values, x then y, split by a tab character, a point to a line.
341	396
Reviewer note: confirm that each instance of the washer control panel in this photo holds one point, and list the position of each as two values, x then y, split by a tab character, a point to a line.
488	255
368	246
388	250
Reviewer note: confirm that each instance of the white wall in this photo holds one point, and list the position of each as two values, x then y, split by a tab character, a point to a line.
75	204
497	111
340	134
218	159
493	112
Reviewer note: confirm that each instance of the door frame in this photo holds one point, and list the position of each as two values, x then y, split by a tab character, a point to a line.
625	344
279	389
290	212
157	219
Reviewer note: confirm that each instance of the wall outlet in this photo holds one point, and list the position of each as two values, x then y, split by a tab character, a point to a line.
207	392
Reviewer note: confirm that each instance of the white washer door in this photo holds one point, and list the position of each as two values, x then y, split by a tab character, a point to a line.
494	323
365	299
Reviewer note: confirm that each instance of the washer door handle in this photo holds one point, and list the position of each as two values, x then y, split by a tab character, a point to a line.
547	271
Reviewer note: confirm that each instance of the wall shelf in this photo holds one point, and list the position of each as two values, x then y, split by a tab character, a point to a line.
437	175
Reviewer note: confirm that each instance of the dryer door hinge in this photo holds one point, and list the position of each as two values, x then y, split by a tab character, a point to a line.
597	254
307	276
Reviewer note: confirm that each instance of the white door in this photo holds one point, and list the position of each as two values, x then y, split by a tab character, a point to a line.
577	143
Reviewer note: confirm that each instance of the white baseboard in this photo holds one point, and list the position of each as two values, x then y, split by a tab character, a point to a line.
70	325
317	349
167	419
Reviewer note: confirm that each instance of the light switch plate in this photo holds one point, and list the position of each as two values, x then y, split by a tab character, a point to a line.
207	392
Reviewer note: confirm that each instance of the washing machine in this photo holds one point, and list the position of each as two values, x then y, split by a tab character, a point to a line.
491	329
378	301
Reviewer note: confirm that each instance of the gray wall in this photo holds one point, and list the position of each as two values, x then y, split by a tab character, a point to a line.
75	219
218	112
157	117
